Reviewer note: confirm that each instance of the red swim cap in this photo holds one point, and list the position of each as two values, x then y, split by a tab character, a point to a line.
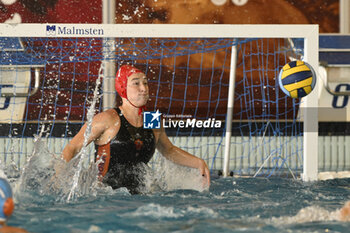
121	79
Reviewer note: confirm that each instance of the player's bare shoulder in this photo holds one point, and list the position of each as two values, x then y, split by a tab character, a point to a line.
109	124
108	118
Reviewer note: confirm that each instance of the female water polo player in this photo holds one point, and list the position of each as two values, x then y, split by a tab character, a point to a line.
123	146
6	207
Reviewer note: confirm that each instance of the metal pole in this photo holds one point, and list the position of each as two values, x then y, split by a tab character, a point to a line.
310	111
344	16
108	17
230	104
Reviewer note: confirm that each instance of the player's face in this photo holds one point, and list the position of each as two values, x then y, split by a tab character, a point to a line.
137	89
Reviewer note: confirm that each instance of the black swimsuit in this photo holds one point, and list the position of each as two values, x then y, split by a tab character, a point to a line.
124	158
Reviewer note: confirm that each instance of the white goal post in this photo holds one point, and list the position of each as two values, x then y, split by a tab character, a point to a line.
309	33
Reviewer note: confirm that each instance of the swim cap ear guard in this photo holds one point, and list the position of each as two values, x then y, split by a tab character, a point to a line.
121	79
6	202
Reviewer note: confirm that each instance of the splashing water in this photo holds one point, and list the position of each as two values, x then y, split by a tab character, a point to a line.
48	174
40	176
83	154
169	176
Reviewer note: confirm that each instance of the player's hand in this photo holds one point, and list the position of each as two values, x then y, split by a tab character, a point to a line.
204	171
345	212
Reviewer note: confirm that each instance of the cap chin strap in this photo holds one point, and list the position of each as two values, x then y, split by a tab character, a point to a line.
141	109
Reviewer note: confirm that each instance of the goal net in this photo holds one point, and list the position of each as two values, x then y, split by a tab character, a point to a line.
48	74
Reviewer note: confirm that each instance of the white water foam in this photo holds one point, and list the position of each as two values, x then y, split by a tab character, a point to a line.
308	214
158	211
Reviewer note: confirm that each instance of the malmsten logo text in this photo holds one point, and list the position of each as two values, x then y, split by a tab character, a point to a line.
52	30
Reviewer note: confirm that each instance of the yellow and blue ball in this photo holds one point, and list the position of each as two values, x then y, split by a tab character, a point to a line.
297	79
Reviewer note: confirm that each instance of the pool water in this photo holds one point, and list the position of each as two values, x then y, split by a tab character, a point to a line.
230	205
176	200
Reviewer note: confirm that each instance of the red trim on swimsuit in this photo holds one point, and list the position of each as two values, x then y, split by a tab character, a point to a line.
104	151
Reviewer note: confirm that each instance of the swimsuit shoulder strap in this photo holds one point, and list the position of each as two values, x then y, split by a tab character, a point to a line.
118	111
124	121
